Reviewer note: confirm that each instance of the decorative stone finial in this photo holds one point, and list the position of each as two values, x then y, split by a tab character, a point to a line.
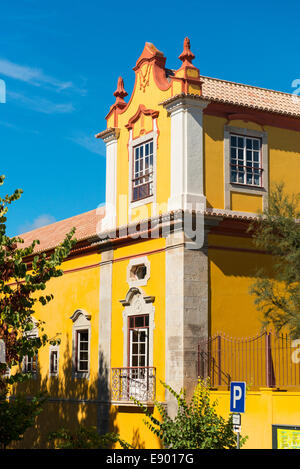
120	92
119	105
187	55
188	74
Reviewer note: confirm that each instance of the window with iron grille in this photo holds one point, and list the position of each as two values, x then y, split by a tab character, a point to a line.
245	160
142	180
82	350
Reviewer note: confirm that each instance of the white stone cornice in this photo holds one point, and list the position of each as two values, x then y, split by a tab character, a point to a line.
184	101
109	135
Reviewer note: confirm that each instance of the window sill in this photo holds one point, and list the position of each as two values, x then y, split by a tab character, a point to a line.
138	203
235	186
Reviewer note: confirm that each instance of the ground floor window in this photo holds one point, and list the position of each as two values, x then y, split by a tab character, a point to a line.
30	364
82	350
81	342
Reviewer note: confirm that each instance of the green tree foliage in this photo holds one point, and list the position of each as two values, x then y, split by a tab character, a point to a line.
278	232
16	416
22	286
85	438
196	425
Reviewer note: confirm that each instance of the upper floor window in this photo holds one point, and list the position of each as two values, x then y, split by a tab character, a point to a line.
142	177
245	160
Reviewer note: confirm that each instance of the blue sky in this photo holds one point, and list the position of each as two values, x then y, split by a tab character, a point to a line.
61	60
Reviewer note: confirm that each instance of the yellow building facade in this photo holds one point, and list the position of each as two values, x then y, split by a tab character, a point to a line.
163	271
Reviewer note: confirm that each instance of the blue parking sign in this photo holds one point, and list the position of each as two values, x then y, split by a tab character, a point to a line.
237	396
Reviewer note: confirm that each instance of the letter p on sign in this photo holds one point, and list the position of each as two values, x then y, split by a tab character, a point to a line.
237	396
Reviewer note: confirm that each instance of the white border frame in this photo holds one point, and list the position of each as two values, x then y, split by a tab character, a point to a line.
34	332
81	321
132	308
133	143
53	348
243	188
132	263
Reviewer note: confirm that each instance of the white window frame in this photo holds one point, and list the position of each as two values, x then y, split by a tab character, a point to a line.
246	167
132	282
33	333
142	174
131	145
79	350
229	186
54	348
26	361
131	343
137	303
81	322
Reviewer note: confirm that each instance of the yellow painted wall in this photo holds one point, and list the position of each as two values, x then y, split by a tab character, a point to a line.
246	202
232	272
263	408
129	419
74	290
214	160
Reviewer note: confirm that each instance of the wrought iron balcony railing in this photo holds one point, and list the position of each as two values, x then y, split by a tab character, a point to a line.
136	382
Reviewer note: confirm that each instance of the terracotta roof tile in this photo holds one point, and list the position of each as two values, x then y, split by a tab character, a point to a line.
52	235
250	96
262	99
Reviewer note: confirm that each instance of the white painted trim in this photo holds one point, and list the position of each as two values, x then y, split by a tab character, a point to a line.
135	303
132	263
53	348
81	321
133	143
34	332
110	219
187	154
241	188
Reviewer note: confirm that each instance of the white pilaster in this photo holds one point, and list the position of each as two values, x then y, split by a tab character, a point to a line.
110	138
187	159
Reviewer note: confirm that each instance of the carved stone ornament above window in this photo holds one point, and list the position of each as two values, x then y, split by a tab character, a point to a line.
79	312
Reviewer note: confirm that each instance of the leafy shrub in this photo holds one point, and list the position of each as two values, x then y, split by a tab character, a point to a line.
196	425
16	415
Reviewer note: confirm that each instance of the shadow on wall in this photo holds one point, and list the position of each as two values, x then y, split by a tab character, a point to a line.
240	262
71	402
